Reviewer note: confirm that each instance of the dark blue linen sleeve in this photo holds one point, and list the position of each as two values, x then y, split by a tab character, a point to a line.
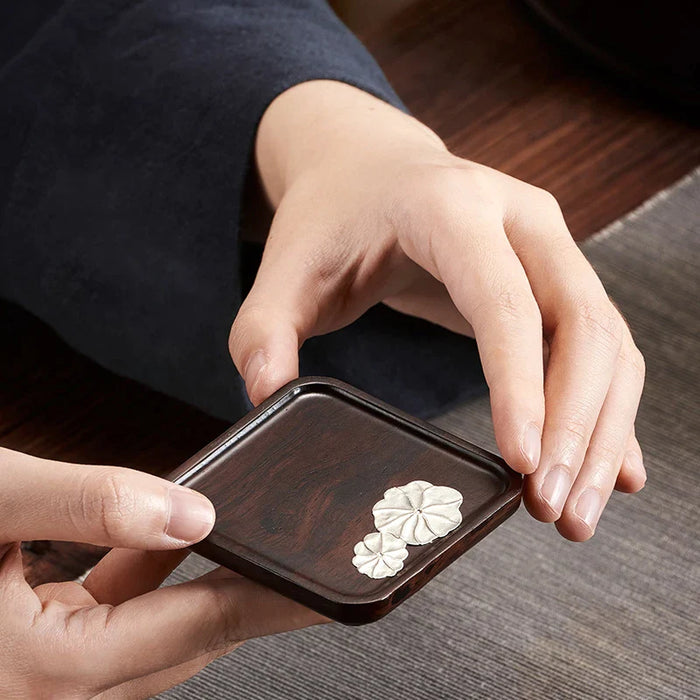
126	129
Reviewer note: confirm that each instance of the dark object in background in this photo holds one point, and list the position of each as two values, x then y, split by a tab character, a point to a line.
294	483
654	43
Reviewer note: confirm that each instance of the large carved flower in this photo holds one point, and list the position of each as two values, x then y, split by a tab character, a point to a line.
379	555
419	512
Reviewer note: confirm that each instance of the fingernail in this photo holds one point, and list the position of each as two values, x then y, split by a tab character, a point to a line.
555	488
588	507
532	445
191	515
254	368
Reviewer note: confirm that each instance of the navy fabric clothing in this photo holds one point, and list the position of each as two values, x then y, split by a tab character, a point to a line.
126	130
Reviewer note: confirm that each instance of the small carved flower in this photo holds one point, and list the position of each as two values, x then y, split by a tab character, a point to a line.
419	512
379	555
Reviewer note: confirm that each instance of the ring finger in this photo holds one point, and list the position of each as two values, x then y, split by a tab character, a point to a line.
606	451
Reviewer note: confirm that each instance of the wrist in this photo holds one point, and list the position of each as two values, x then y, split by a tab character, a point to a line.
325	122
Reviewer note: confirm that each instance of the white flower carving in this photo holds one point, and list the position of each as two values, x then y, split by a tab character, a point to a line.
379	555
419	512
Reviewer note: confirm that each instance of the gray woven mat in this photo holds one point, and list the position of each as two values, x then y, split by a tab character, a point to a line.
526	614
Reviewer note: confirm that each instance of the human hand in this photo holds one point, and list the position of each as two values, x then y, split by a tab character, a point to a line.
371	207
114	636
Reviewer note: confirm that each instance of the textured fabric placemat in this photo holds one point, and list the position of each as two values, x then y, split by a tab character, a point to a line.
526	614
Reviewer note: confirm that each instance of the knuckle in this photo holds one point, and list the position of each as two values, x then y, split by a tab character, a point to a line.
576	426
76	628
479	184
545	208
430	192
94	624
99	622
441	188
333	262
244	320
437	202
228	616
108	503
116	506
547	200
605	453
483	196
251	316
576	431
600	321
545	204
509	304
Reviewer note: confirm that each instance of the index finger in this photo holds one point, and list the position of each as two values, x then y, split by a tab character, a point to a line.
173	625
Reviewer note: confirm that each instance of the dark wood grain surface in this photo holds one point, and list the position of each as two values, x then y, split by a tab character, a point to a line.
294	484
498	89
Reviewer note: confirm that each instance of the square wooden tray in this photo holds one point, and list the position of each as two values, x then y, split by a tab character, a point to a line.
294	482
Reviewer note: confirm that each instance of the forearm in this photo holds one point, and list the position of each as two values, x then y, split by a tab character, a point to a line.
138	159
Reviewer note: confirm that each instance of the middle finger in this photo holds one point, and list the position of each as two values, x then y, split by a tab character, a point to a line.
583	352
126	573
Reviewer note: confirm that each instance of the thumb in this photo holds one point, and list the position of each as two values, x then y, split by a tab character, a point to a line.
264	344
109	506
314	278
278	315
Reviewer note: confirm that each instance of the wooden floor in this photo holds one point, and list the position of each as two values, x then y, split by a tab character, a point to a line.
485	76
